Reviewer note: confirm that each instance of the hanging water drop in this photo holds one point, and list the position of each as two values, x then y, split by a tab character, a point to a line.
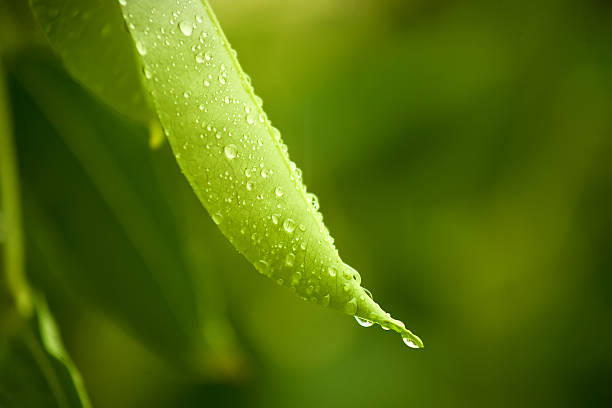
409	342
363	322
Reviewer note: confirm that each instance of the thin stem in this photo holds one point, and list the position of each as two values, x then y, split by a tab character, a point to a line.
45	367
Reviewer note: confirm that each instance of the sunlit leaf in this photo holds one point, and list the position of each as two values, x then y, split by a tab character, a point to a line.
236	161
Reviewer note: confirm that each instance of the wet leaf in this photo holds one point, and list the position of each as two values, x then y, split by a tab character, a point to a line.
236	161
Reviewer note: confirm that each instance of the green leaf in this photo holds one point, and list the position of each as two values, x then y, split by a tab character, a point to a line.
36	370
236	161
117	241
92	41
14	291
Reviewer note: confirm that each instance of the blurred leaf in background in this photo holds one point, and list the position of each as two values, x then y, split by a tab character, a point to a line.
460	152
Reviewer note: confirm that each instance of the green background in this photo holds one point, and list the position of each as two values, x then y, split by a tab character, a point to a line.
461	153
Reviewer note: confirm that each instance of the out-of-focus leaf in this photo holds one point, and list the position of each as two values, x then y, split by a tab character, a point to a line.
109	235
15	302
235	160
93	43
36	370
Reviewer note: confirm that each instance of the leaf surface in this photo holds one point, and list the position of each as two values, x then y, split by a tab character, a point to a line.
235	159
91	39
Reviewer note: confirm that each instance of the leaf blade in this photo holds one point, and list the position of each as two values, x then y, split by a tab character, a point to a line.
235	160
91	40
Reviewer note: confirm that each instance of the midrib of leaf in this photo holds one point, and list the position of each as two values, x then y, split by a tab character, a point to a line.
250	90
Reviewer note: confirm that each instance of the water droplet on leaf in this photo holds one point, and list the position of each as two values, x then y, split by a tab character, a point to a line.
186	27
217	218
363	322
289	225
230	151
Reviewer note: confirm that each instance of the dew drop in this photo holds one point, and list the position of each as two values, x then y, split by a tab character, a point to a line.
279	192
263	267
217	218
141	48
250	120
123	2
332	271
249	185
313	200
289	225
290	259
409	342
275	219
325	300
199	58
364	322
230	151
187	94
186	27
206	83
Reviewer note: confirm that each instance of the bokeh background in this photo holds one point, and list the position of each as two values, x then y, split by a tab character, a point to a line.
461	152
